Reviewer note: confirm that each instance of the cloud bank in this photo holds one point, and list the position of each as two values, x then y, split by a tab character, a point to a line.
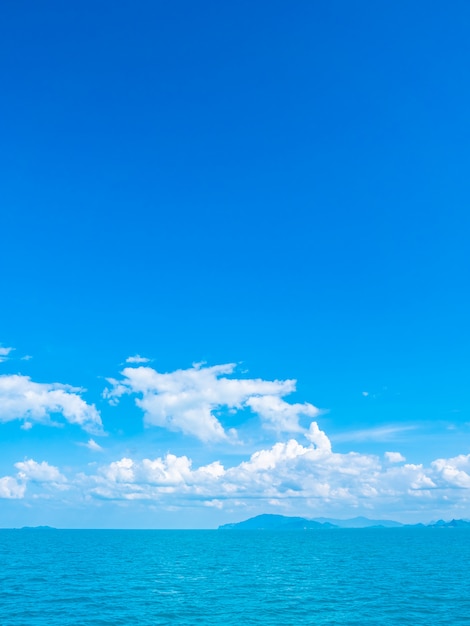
279	476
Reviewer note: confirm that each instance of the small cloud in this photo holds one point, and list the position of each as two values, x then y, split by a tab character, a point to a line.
26	357
26	426
137	359
394	457
217	504
4	353
365	394
92	445
29	469
11	489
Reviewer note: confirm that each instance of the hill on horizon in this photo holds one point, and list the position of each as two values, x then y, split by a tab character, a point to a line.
269	521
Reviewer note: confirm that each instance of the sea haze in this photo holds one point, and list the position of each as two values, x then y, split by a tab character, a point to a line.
329	576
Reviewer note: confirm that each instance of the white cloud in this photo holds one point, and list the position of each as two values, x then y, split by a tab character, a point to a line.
379	433
120	471
11	489
288	475
39	472
281	415
301	469
318	438
4	353
137	359
454	471
186	400
23	399
30	471
394	457
287	470
92	445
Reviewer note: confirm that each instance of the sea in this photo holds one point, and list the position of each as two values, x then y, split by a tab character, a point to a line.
156	577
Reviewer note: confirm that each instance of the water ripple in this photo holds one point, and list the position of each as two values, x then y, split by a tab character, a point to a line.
157	578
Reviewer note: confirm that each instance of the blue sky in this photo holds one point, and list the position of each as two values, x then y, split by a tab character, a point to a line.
280	190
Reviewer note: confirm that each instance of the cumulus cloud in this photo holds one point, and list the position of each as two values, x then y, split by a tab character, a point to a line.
318	438
289	472
30	471
187	400
394	457
303	472
454	471
39	472
11	489
284	417
23	399
285	471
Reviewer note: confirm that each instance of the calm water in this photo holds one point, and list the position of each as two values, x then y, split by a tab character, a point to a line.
370	576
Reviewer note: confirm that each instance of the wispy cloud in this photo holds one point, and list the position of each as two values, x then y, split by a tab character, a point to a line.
137	359
91	445
379	433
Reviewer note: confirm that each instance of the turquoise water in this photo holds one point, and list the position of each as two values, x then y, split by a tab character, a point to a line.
368	576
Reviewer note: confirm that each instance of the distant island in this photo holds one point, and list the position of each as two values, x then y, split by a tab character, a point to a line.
283	522
36	528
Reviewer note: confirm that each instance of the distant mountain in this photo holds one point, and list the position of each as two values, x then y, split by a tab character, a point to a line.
283	522
276	522
37	528
359	522
455	523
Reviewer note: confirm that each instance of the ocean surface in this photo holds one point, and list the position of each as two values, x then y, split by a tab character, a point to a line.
336	576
